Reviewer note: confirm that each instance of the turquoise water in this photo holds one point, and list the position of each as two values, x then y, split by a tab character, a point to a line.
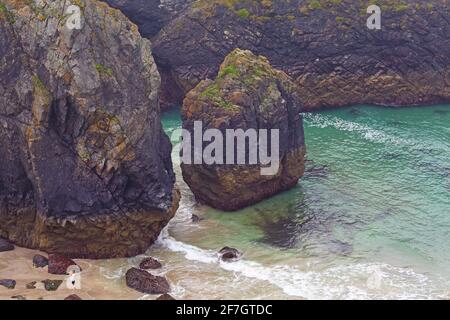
370	218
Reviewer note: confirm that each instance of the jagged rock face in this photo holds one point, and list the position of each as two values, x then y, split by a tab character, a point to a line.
150	15
324	45
86	168
247	94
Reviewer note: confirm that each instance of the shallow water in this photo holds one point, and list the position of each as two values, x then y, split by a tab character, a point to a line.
370	219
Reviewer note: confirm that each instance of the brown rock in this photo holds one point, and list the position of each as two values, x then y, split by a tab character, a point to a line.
145	282
31	285
58	264
52	285
228	254
150	263
72	297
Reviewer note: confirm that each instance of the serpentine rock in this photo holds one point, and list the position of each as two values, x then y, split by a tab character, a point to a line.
86	168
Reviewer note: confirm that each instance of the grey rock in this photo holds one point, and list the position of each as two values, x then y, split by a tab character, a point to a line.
87	168
5	245
8	283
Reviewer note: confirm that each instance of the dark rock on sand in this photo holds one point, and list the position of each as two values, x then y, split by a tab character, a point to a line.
165	297
58	264
150	263
19	297
5	245
40	261
31	285
8	283
228	254
145	282
248	93
86	166
72	297
52	285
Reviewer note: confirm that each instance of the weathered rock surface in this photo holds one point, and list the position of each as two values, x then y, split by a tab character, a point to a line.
58	264
86	168
324	45
8	283
5	245
145	282
151	15
40	261
247	94
150	263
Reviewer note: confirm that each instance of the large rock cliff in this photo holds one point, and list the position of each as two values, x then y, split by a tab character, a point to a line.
324	45
86	168
250	95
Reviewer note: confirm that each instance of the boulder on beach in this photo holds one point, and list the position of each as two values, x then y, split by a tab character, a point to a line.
40	261
31	285
8	283
5	245
58	264
150	263
145	282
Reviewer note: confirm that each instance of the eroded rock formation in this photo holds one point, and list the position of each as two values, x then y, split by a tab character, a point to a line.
246	94
86	168
324	45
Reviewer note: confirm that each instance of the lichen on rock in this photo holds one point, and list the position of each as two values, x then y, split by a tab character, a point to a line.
248	93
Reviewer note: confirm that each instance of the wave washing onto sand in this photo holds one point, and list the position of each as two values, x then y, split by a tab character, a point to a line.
356	281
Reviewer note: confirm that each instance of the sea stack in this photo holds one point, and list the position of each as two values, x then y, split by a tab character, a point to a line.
86	168
248	94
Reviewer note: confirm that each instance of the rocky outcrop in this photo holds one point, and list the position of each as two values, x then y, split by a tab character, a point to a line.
324	45
151	15
247	94
8	283
86	168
